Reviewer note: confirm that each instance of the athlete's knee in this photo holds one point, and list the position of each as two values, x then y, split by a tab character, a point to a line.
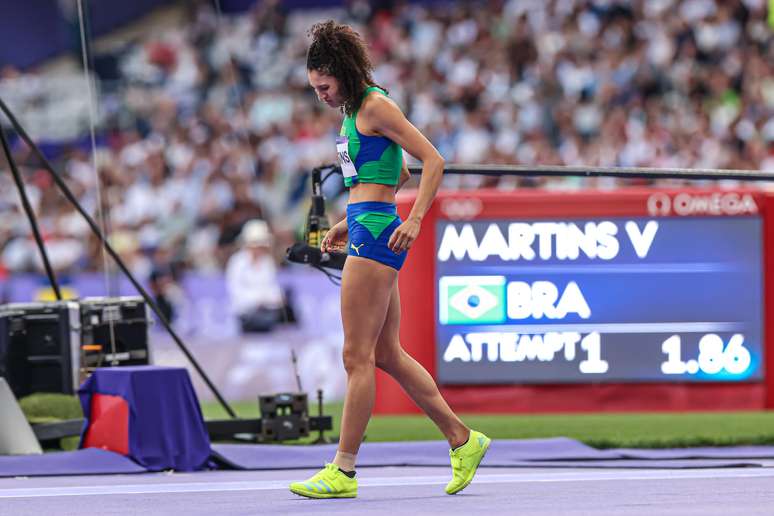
356	359
387	358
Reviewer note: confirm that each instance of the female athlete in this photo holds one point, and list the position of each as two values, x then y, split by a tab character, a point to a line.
370	148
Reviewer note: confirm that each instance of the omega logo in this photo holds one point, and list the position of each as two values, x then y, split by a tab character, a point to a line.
716	203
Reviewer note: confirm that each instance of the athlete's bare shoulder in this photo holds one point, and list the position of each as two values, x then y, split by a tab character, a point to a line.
376	104
378	109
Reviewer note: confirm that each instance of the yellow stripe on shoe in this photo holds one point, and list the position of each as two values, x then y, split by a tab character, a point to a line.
329	482
465	461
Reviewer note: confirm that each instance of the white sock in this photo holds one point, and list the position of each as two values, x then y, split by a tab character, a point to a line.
345	461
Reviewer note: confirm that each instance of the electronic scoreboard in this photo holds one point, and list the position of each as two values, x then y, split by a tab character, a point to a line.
604	299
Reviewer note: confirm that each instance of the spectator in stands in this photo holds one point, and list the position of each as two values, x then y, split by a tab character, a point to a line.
165	291
251	278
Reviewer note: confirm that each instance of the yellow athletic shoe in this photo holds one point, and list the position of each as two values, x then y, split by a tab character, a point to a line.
465	461
329	482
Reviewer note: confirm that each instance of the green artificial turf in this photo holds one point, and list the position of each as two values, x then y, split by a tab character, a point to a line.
45	407
641	430
50	408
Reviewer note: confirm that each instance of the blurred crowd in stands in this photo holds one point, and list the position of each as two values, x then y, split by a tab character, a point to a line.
208	124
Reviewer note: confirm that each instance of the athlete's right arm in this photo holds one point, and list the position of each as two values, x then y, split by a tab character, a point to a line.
336	237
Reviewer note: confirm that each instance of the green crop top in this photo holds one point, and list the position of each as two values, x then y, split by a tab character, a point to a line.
367	159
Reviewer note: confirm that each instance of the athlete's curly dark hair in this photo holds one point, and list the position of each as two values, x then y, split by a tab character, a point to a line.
339	51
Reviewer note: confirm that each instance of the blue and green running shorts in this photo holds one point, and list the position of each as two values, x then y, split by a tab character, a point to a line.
370	226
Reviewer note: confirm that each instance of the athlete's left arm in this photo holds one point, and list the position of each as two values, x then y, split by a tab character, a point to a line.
405	175
385	118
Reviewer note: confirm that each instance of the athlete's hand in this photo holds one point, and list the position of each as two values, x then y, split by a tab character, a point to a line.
336	238
404	235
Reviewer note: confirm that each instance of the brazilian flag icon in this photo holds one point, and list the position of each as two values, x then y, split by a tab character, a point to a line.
471	299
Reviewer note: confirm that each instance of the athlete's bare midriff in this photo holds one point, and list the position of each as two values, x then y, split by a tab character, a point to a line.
371	192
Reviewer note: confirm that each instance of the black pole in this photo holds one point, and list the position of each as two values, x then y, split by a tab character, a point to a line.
30	214
320	437
619	172
95	229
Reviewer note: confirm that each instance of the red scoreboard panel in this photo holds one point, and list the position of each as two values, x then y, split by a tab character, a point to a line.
633	299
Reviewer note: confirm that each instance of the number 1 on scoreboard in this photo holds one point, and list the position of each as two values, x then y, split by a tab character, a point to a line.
592	345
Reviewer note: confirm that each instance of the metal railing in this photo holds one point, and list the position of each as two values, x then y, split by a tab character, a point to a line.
617	172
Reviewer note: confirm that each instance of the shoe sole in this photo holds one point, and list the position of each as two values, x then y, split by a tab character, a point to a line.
309	494
473	473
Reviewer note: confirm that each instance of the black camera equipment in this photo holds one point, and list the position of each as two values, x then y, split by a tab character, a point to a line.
284	416
308	252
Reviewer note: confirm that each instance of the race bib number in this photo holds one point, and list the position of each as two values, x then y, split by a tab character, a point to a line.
342	147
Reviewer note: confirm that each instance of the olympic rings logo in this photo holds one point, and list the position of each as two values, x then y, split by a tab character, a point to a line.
461	209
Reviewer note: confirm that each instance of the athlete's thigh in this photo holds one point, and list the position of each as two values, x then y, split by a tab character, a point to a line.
365	295
389	338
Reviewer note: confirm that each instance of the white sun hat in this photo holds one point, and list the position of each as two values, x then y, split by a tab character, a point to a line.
256	233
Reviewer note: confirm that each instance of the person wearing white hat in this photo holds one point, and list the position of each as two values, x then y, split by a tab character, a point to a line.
251	278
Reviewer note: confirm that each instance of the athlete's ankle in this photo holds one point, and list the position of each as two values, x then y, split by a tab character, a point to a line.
459	439
345	461
350	474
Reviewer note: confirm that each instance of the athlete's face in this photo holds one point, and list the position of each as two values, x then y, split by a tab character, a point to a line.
326	87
